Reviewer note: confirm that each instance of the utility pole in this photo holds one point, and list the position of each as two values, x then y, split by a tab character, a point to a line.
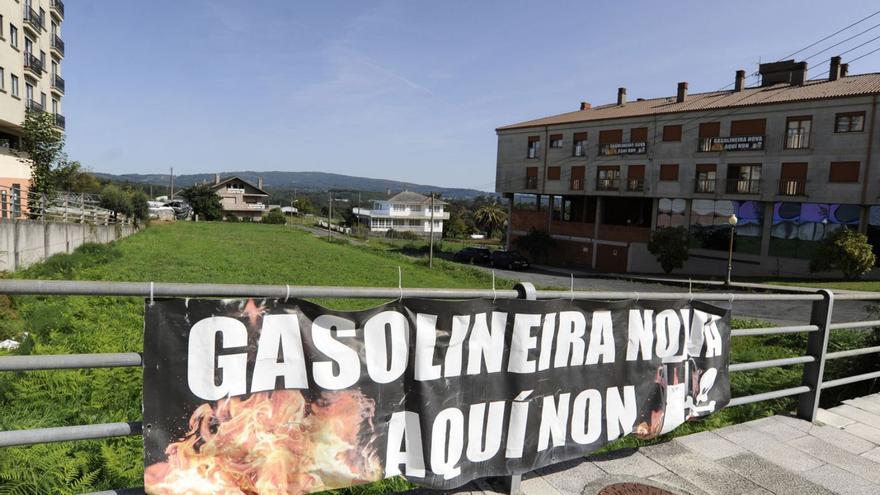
358	216
171	194
431	248
329	216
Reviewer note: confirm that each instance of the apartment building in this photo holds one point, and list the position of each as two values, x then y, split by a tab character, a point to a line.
31	51
240	198
793	158
406	211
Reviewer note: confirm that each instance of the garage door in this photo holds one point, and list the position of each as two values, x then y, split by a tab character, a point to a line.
611	258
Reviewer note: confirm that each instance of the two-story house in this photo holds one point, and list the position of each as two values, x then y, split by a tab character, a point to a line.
405	211
241	198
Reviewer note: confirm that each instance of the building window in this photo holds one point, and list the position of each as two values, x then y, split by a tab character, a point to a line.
14	84
671	133
556	140
708	132
638	134
531	177
750	127
534	146
608	178
42	58
849	122
743	179
793	179
43	100
1	26
669	172
13	36
580	144
553	173
706	178
844	172
635	178
2	79
577	178
797	132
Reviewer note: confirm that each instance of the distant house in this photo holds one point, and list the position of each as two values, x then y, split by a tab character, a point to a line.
241	198
405	211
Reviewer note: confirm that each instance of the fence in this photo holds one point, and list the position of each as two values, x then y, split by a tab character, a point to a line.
68	207
814	358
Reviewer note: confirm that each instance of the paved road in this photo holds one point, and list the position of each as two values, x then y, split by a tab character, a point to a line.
777	312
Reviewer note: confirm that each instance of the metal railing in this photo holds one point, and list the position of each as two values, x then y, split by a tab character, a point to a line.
808	392
58	44
705	186
635	185
33	63
58	6
58	82
743	186
531	182
60	121
33	19
17	203
607	184
793	187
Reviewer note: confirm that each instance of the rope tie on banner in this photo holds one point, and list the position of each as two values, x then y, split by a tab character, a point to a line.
400	282
690	291
571	289
287	295
637	296
151	293
494	294
730	301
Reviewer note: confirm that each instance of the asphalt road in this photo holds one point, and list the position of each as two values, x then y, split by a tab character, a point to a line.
777	312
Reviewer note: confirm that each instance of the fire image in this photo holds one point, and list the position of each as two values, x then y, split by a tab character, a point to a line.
271	443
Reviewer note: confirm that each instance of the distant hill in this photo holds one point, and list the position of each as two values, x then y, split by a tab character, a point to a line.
304	181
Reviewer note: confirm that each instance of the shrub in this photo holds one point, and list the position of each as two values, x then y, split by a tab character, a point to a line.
537	243
274	216
670	246
402	234
846	250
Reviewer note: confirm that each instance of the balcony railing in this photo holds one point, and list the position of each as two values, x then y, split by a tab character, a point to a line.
635	185
792	187
732	143
607	184
743	186
797	140
633	148
58	6
577	184
705	186
34	106
532	182
33	19
33	63
58	44
58	83
60	121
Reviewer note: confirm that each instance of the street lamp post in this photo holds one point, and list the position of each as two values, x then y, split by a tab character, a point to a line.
731	220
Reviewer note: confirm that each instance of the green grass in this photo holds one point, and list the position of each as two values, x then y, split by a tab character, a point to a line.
857	285
229	253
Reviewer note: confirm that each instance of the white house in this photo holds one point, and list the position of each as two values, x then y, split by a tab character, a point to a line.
405	211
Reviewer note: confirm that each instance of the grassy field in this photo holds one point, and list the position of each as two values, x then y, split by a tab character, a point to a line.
857	285
228	253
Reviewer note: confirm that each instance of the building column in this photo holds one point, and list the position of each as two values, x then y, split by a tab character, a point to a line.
596	221
509	222
766	228
688	207
655	209
550	202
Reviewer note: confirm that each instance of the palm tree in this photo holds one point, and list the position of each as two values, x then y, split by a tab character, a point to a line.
490	217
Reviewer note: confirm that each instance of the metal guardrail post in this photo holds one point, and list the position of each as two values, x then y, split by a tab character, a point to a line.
817	346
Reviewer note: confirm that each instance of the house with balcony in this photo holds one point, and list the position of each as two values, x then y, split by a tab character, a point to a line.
240	198
405	211
792	157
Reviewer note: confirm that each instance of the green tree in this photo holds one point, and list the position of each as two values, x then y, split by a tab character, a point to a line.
537	243
274	216
304	205
490	217
205	203
116	200
670	246
140	207
71	176
42	144
846	250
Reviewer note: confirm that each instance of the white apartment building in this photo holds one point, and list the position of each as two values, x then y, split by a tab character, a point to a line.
31	50
405	211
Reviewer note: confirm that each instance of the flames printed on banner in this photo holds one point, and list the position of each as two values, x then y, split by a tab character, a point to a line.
271	443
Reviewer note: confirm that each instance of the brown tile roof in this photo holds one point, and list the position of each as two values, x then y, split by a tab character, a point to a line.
854	85
413	197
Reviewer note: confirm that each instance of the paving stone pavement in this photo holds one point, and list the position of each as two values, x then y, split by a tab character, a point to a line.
779	455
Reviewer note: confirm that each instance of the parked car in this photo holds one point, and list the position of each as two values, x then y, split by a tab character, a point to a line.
509	260
182	209
472	255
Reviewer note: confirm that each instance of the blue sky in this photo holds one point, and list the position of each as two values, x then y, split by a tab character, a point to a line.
408	90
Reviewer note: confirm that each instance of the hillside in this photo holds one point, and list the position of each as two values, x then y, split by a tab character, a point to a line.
304	181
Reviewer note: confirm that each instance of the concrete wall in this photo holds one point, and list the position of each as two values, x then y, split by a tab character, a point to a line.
25	242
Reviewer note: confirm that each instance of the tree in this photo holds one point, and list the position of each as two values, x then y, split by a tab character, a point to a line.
116	200
490	217
42	144
140	206
537	243
845	250
71	176
670	246
304	205
274	216
205	203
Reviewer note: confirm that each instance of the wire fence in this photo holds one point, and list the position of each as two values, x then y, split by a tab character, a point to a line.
808	393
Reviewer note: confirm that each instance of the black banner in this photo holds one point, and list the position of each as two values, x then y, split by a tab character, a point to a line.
266	396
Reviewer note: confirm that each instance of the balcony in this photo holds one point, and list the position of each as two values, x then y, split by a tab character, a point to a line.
532	182
34	106
33	64
577	185
57	6
633	148
743	186
732	143
793	187
797	140
33	20
58	83
59	121
58	44
705	186
635	185
607	184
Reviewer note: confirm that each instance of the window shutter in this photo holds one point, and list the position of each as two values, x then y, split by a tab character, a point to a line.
669	171
580	136
531	171
672	133
706	167
710	129
578	172
844	172
534	139
636	172
611	136
751	127
638	134
553	173
793	171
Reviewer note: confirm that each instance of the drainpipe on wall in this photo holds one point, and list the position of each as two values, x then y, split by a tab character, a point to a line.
544	178
863	221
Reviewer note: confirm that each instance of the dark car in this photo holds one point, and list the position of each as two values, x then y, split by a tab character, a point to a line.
509	260
472	255
182	209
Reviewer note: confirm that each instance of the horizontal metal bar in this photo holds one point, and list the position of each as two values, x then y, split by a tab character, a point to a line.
850	379
164	289
757	365
123	491
854	324
856	296
852	352
749	332
68	361
68	433
776	394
